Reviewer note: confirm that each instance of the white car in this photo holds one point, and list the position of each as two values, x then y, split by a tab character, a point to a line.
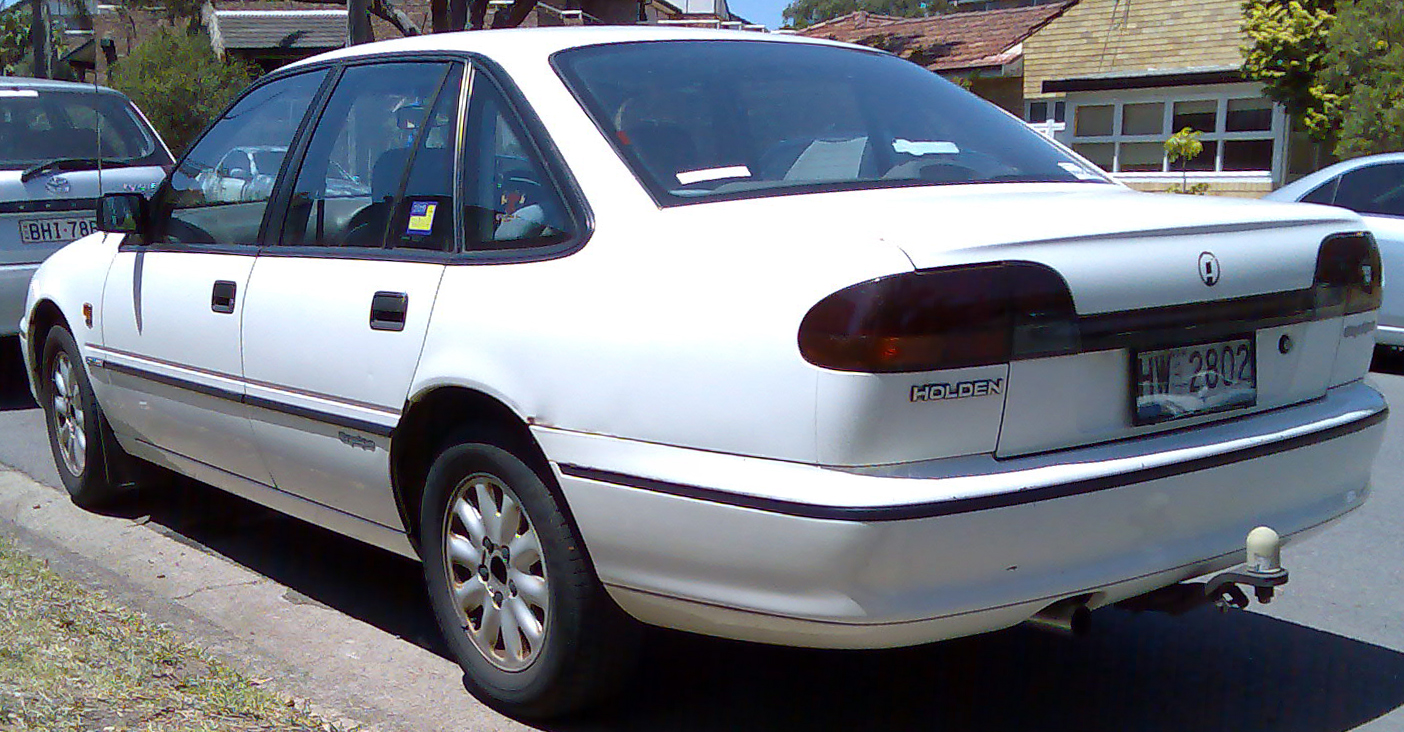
54	137
1372	186
761	337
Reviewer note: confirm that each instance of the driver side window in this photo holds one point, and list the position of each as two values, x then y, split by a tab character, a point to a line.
215	195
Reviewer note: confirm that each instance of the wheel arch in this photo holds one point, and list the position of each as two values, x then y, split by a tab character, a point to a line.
45	315
444	415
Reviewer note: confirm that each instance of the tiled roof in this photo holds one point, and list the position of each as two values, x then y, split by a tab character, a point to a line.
286	29
949	42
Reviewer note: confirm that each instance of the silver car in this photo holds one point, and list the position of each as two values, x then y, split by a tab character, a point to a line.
1372	186
62	145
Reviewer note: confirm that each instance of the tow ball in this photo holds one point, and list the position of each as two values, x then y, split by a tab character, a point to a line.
1263	572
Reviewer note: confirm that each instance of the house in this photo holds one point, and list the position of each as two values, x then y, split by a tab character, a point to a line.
983	49
1115	78
272	33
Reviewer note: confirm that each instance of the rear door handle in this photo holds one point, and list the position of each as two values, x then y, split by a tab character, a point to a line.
388	310
222	298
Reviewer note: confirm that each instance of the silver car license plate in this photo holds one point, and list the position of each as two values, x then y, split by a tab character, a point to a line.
55	229
1173	383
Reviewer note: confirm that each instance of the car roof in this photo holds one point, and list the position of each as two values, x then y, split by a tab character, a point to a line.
521	43
1306	184
15	83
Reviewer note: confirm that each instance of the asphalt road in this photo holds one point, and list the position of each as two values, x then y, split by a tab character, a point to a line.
1328	655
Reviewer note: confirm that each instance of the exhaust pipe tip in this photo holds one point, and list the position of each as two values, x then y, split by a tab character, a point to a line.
1068	618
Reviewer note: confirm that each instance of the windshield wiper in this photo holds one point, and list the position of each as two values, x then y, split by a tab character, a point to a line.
49	166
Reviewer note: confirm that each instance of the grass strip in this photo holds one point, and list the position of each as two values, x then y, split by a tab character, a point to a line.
70	659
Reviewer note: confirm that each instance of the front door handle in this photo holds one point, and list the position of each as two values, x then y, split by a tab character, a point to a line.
222	298
388	310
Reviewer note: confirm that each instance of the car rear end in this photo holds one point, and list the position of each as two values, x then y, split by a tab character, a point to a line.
1074	395
52	137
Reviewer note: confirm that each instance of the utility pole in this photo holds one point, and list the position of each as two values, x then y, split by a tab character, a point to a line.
39	37
358	27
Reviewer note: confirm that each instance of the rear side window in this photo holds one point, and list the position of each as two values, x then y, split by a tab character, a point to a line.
219	191
379	167
37	126
1324	193
1377	189
510	201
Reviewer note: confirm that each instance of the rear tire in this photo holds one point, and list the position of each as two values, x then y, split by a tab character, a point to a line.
513	590
77	429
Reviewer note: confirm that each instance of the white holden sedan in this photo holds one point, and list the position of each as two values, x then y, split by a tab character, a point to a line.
760	337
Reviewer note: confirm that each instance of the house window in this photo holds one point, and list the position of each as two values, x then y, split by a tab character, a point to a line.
1045	111
1238	131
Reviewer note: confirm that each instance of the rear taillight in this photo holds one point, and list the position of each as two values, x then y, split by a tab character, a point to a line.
1348	276
971	315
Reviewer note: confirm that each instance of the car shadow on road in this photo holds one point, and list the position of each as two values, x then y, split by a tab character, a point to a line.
1388	361
14	385
1202	671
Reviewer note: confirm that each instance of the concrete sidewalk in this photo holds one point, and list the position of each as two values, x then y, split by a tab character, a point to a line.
348	671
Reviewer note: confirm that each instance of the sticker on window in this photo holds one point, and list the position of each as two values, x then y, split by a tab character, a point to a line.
688	177
925	147
1078	171
421	220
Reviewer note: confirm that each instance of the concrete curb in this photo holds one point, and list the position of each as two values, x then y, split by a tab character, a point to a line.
351	673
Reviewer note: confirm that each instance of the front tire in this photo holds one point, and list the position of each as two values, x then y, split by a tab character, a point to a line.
512	588
75	422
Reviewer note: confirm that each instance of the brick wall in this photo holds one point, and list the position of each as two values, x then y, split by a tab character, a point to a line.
1100	36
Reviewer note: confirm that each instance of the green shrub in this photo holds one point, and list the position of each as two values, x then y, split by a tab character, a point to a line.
179	83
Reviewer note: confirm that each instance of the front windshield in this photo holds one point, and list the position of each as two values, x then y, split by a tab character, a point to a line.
37	126
703	120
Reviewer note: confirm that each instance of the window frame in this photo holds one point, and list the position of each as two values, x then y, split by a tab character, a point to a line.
160	203
1168	97
537	139
287	182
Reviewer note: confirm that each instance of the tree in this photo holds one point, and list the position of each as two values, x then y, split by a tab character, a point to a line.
804	13
14	40
16	50
1364	77
1182	147
176	79
1286	51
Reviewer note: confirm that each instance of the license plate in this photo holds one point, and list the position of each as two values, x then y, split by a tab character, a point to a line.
1174	383
55	230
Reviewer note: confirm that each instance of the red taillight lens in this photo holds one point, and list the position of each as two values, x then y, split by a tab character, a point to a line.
970	315
1348	274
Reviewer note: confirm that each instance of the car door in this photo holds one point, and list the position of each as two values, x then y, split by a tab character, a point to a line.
1377	193
336	313
172	309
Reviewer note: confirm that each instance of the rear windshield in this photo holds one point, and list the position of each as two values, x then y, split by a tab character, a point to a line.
702	120
39	126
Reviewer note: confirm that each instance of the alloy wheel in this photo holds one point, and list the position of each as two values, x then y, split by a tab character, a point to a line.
496	572
70	421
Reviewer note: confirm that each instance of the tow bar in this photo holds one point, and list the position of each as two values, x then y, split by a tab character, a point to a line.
1262	571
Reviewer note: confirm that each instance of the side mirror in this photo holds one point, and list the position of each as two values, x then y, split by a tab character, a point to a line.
122	213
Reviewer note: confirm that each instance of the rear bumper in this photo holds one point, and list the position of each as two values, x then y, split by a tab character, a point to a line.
901	555
14	287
